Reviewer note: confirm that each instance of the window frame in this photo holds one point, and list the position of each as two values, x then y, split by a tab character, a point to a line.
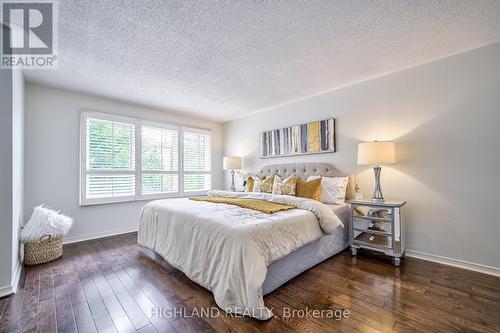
153	196
202	132
138	123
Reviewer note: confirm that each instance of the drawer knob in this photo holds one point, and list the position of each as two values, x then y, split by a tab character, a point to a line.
371	238
371	224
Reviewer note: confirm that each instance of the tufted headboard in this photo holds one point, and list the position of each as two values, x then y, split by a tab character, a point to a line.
304	170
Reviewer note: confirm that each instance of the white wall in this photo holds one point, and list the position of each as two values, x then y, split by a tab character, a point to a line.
11	176
18	123
52	157
5	180
445	119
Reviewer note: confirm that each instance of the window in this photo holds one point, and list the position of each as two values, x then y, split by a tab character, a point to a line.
160	160
124	159
197	161
109	159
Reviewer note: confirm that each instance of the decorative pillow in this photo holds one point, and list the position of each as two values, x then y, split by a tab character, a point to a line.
257	184
250	184
309	189
284	186
45	221
333	189
267	184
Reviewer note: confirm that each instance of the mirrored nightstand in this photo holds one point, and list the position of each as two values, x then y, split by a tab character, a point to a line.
378	226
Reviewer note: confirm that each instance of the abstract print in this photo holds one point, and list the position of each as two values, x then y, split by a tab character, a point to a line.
311	138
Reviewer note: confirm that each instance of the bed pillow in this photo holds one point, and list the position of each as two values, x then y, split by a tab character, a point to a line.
253	183
284	186
257	184
267	184
333	189
309	189
250	184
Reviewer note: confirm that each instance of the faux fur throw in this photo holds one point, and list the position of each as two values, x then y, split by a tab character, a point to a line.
43	222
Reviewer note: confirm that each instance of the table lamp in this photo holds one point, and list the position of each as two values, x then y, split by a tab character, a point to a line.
232	163
376	153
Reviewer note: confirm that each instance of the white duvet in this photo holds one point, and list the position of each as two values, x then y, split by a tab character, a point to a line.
227	249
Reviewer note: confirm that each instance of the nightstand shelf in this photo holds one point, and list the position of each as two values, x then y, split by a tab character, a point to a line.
378	226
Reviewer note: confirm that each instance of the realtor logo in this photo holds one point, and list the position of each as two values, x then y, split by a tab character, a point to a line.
28	34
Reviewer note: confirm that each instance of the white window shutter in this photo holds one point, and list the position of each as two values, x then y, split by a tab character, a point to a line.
197	159
160	160
110	159
168	161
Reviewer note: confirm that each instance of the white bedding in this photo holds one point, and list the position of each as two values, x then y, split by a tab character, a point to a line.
300	260
226	248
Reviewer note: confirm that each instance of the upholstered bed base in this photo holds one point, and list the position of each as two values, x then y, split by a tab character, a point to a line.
292	265
300	260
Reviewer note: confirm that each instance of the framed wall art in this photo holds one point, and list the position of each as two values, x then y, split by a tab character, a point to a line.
312	138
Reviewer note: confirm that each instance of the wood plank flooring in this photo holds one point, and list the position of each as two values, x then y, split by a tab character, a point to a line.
112	285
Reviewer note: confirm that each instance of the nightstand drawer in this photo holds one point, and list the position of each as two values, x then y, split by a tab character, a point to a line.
374	241
373	213
373	227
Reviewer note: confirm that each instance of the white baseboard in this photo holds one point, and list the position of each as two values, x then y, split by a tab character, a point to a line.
6	291
17	275
454	262
9	290
69	240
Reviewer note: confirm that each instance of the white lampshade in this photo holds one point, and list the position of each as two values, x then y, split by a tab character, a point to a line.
377	152
232	163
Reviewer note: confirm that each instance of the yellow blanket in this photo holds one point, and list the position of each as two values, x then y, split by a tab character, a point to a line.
263	206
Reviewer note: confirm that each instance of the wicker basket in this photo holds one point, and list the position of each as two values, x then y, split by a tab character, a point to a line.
46	249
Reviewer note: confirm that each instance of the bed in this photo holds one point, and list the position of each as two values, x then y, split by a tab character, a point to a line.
241	254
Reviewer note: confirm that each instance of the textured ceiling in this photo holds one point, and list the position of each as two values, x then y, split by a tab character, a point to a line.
225	59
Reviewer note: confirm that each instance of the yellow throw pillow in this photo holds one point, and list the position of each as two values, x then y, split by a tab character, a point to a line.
310	189
267	184
284	186
250	184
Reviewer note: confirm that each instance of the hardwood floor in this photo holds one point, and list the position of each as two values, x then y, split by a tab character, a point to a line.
112	285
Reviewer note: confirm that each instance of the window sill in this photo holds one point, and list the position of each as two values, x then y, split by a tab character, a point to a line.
107	201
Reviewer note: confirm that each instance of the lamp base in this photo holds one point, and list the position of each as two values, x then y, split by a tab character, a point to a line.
233	188
377	193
